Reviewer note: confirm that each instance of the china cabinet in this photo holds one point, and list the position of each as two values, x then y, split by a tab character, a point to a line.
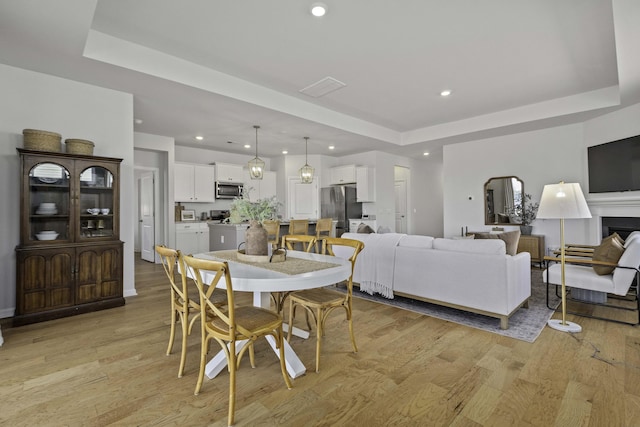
69	260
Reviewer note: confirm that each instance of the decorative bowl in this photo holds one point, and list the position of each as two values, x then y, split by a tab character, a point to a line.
47	235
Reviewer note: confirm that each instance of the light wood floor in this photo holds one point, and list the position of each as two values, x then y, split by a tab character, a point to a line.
110	368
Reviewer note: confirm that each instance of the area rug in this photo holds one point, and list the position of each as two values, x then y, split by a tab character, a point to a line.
525	324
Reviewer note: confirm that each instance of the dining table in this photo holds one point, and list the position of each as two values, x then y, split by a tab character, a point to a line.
300	270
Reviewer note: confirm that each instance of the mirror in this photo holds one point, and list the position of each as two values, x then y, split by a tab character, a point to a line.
503	200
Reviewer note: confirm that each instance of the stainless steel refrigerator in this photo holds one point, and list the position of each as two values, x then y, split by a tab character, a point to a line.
339	202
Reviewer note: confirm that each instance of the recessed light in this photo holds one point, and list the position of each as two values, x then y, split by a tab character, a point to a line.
138	121
247	146
331	147
285	152
426	153
445	93
199	138
318	9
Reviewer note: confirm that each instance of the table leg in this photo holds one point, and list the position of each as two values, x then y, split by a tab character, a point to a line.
295	367
219	361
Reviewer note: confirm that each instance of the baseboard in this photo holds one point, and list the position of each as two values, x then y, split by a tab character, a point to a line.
7	312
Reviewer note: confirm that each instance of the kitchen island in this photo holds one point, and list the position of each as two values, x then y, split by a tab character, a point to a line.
228	236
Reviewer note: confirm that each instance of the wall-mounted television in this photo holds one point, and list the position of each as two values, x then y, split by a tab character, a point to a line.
615	166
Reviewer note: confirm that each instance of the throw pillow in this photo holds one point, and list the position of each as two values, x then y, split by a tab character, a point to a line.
511	239
364	228
609	250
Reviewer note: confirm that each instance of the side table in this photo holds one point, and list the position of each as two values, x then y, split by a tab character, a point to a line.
534	244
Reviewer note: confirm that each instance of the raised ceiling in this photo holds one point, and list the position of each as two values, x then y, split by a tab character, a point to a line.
215	68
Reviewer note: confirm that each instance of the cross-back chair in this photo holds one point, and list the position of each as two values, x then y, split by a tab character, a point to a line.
273	231
182	306
323	229
298	226
230	324
320	302
289	241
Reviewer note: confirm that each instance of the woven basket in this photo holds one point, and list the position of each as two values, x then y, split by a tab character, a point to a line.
41	140
79	146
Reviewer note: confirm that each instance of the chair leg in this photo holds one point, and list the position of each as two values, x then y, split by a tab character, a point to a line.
172	334
232	382
319	333
204	346
292	315
185	333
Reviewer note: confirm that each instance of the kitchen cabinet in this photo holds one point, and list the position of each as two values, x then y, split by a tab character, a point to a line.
260	188
365	184
192	238
343	175
194	183
69	259
226	172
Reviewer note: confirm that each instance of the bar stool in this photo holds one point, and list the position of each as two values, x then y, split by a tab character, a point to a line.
323	229
298	226
273	231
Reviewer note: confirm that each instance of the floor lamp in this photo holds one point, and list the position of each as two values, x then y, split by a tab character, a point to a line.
563	201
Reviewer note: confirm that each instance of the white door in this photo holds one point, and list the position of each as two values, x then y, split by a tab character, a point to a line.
401	206
147	220
303	199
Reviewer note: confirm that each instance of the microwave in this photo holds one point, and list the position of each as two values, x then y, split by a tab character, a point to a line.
228	190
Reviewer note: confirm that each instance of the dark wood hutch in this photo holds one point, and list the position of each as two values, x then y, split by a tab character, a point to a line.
70	256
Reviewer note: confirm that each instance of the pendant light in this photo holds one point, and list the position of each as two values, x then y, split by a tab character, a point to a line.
306	172
256	165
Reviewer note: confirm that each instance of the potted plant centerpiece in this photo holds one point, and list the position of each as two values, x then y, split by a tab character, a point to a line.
527	212
243	209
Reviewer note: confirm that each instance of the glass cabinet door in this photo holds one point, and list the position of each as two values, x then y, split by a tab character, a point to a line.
49	203
96	203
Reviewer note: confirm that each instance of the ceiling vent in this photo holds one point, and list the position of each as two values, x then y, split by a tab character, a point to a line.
323	87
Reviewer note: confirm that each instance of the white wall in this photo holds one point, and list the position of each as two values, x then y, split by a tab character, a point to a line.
538	158
75	110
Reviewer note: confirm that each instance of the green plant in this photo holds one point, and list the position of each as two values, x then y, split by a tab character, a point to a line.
259	210
527	210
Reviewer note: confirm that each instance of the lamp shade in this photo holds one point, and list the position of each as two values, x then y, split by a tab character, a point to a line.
256	165
563	200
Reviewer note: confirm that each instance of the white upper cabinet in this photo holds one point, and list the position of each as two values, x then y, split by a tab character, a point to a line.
226	172
194	183
343	175
365	184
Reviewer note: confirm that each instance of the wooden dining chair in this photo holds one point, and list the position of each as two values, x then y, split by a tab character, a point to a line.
182	306
320	302
323	229
289	241
232	324
273	231
298	226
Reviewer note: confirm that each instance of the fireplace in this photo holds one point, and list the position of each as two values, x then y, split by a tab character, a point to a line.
623	225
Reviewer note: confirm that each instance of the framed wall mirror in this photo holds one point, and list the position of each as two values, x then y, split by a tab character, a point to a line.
503	200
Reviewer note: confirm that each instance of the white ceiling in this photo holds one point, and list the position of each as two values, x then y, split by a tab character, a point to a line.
216	68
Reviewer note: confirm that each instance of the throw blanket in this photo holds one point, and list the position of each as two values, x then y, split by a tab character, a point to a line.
374	266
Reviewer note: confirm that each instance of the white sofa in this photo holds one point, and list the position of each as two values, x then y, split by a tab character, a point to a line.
467	274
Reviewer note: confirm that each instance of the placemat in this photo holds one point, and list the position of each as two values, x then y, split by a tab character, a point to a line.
290	266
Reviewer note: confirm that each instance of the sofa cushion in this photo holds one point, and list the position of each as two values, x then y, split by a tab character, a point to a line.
416	241
510	238
609	250
490	246
364	228
631	237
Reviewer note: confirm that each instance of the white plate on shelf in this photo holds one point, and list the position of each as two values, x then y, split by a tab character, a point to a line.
46	212
45	235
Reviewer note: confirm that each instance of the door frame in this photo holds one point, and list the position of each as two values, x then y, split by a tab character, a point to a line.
156	205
